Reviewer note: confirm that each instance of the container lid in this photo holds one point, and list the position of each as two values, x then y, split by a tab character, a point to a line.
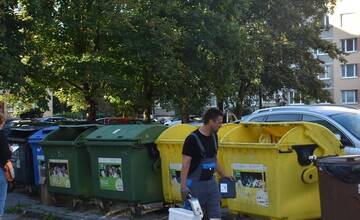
68	135
177	133
226	128
135	134
345	168
283	135
22	133
39	135
340	160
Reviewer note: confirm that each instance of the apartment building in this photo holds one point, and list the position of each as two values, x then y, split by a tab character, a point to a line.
342	80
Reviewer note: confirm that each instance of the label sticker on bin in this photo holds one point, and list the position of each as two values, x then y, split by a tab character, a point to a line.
110	174
251	183
59	173
175	178
175	173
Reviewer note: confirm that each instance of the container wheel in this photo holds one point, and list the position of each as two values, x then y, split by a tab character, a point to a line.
104	205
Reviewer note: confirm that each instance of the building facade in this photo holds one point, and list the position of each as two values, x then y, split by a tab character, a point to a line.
343	29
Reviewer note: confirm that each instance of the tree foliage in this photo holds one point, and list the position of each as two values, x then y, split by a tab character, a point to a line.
138	54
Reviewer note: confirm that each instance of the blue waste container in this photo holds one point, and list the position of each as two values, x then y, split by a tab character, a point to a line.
38	155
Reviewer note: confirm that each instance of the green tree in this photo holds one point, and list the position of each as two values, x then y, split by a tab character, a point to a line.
283	34
11	68
75	48
246	48
149	43
190	89
18	88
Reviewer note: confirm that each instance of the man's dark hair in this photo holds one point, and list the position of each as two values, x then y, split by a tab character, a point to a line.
211	114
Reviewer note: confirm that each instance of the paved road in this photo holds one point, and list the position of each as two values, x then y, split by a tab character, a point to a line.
20	201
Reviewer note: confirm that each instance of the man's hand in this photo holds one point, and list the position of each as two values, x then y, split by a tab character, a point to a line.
230	178
221	172
185	192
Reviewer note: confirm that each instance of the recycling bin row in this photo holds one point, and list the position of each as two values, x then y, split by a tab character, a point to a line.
275	176
111	162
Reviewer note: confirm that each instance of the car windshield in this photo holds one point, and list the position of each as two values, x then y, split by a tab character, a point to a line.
350	121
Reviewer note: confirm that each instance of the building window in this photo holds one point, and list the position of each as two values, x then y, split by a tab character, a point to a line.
326	22
349	71
349	96
328	85
349	45
213	101
320	52
326	74
294	98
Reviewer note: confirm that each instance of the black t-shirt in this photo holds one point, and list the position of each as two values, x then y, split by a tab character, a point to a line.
5	153
192	149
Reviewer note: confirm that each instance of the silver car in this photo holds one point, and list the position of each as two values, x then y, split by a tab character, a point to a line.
343	121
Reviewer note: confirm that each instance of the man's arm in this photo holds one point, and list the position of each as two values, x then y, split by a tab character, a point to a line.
220	170
186	161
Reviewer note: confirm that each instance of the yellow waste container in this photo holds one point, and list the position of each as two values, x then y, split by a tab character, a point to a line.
270	161
170	144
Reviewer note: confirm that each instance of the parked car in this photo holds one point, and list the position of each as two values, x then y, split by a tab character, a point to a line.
343	121
118	120
178	121
229	117
193	120
51	119
163	120
9	123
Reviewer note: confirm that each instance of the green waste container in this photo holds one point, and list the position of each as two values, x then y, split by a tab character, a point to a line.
125	163
67	160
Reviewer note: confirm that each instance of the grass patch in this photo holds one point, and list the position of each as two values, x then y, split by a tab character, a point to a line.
49	217
17	209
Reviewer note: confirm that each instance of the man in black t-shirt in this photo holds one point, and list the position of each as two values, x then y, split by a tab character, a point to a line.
192	150
199	164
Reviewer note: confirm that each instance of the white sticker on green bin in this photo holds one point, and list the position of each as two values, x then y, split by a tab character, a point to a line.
59	173
110	174
175	174
251	183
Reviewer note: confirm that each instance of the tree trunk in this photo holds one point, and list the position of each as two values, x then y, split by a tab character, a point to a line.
185	111
147	114
149	95
220	104
240	99
90	103
260	98
91	109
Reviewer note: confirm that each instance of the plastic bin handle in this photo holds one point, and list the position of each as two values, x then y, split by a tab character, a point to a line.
310	176
304	152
